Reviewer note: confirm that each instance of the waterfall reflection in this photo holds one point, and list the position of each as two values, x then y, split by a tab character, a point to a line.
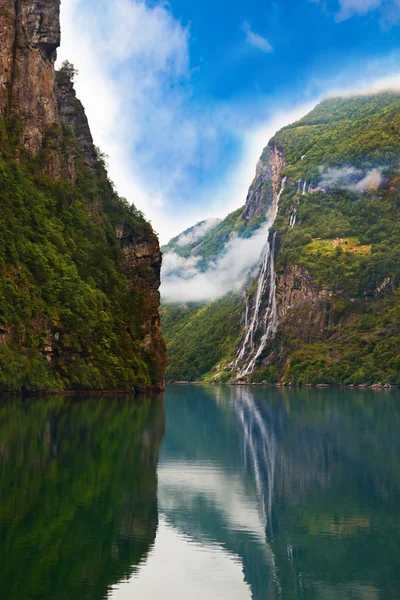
289	484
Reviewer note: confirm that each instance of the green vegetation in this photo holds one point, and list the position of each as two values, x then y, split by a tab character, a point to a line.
347	242
371	218
200	336
78	493
362	132
62	288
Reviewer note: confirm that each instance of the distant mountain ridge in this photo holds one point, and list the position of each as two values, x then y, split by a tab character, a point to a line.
324	307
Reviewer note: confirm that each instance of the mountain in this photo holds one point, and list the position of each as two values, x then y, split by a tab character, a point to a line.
324	305
80	267
209	258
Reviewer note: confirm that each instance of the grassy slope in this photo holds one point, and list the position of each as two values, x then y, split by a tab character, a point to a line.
60	272
200	336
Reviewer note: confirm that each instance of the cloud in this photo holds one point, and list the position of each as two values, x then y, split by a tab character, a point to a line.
351	179
171	151
197	232
348	8
388	10
256	40
183	281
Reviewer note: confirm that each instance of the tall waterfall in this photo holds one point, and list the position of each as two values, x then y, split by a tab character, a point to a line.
264	318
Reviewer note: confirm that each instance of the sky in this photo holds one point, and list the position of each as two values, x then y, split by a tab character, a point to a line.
183	95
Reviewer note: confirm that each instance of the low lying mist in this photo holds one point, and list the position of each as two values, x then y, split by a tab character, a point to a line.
197	232
350	178
183	281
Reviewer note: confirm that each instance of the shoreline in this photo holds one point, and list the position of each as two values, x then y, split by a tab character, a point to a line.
81	393
377	386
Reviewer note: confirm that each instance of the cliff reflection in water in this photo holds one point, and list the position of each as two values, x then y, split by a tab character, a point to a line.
78	494
262	493
300	487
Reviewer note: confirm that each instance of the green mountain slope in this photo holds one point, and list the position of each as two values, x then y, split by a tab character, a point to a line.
199	336
337	262
69	317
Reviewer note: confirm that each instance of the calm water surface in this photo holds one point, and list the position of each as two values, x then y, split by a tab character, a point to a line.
220	493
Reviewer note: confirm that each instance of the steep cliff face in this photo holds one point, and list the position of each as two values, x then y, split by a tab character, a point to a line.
142	261
263	193
30	35
302	306
80	268
73	115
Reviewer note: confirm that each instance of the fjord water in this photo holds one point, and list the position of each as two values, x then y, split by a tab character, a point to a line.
246	493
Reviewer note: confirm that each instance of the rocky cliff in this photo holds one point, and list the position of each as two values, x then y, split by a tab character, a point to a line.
69	228
29	38
263	193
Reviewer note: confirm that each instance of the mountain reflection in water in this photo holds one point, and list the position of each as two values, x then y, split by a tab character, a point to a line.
267	493
259	493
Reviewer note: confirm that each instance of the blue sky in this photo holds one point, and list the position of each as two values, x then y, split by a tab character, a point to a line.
183	96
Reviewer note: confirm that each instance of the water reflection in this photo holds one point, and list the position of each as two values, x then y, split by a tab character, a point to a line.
288	493
78	494
262	493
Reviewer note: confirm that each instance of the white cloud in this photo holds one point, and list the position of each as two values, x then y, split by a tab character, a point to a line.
256	40
183	281
197	232
388	10
348	8
134	82
371	181
351	179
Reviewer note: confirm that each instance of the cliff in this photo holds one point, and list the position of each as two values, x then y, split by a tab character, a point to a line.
30	35
263	193
80	267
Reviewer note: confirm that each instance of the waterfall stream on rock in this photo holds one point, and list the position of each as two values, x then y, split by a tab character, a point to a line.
265	321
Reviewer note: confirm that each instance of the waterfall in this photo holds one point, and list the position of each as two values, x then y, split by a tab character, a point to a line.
292	221
246	316
268	321
299	186
305	188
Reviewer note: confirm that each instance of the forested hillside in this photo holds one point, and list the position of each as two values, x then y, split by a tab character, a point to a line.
80	267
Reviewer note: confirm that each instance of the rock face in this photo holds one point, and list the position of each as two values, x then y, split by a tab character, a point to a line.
30	35
73	115
302	306
263	193
142	266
